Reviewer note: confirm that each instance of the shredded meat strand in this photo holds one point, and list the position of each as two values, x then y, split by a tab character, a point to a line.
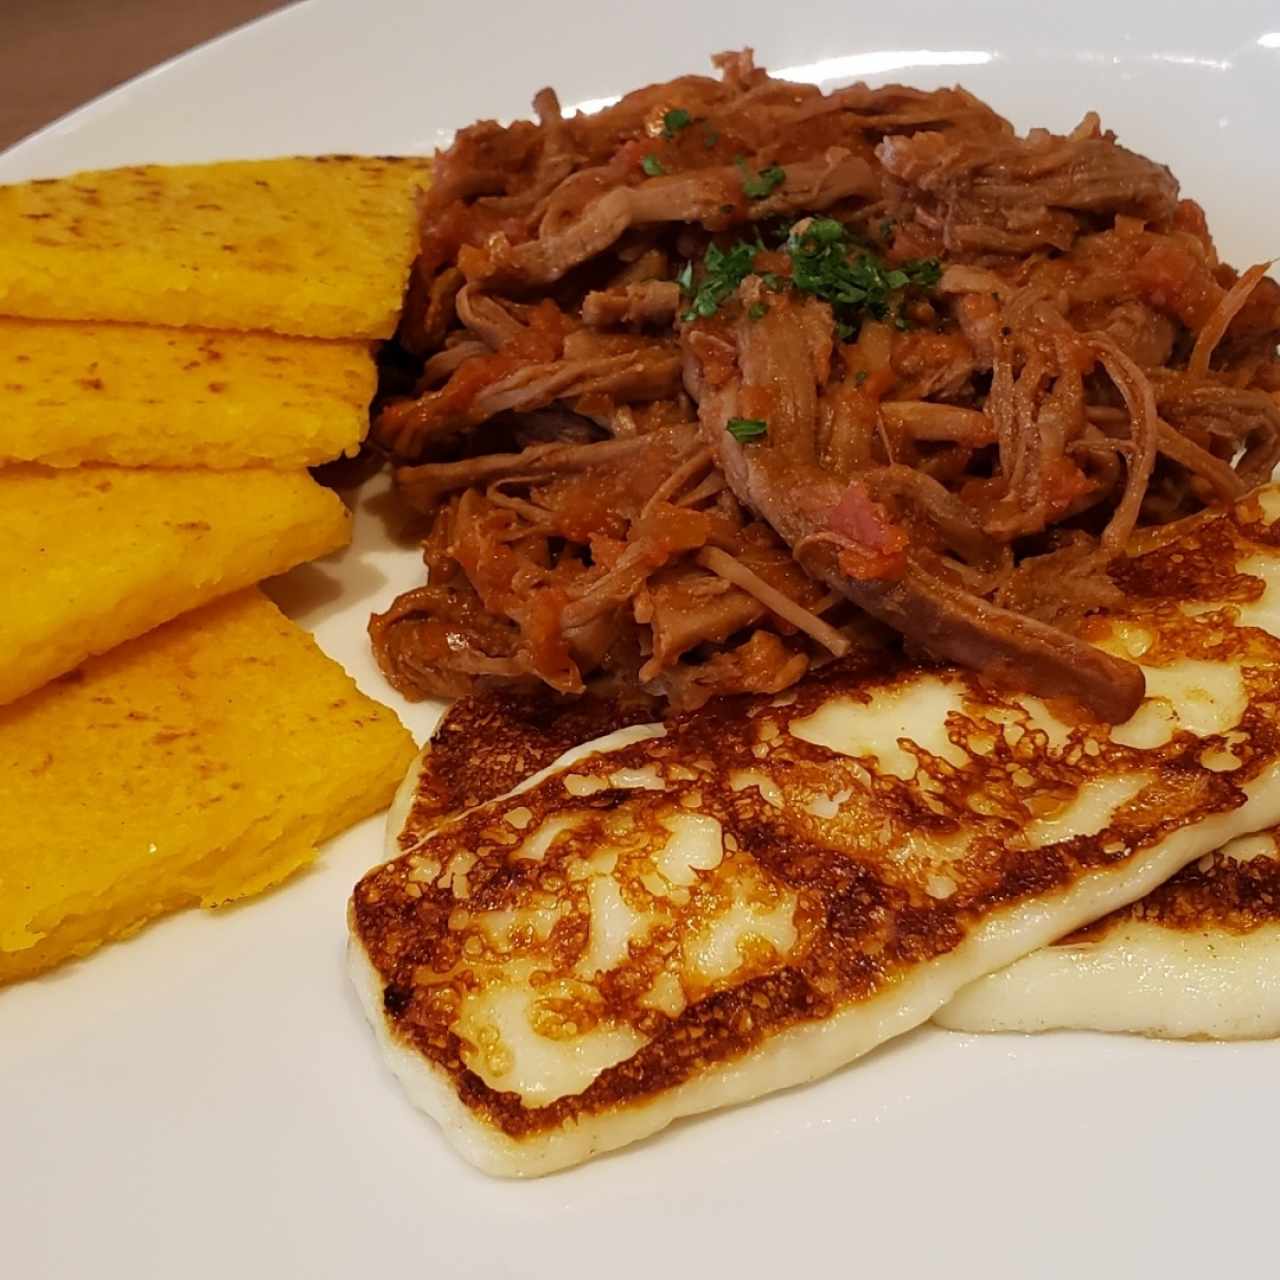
723	564
734	377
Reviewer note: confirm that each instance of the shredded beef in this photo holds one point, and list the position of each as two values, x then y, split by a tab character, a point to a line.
734	376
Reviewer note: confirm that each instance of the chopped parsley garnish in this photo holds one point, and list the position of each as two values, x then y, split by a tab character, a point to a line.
709	138
675	120
860	377
854	280
820	231
827	263
744	429
723	271
886	230
652	166
770	179
757	311
756	186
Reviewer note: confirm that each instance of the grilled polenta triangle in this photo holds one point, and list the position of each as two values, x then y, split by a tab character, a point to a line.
144	396
93	556
318	246
196	765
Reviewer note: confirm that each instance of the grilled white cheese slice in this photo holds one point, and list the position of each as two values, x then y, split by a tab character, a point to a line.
1197	958
675	919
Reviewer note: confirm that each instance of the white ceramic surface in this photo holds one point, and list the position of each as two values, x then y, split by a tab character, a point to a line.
206	1101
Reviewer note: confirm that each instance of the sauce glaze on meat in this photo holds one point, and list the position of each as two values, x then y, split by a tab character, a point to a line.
735	376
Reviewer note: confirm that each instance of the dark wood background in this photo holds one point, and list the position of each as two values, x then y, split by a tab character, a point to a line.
57	54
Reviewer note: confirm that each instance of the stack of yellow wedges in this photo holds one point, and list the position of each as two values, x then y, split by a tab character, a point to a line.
177	346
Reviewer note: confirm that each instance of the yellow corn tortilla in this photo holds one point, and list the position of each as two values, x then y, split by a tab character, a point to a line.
316	246
94	556
139	395
201	763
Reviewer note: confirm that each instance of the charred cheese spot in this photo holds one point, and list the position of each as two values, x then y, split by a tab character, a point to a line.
753	918
1263	612
508	1046
696	844
1204	698
916	712
536	846
769	790
674	901
645	778
613	925
1195	958
1089	812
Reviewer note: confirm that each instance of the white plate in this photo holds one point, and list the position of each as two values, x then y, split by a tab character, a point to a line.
206	1101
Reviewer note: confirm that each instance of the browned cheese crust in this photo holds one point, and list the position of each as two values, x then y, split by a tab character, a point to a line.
863	920
1219	892
489	742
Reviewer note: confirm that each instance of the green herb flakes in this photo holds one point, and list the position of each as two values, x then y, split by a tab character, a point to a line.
854	280
758	186
723	270
826	263
675	120
745	429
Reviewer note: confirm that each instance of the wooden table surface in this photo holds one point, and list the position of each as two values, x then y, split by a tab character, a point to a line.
57	54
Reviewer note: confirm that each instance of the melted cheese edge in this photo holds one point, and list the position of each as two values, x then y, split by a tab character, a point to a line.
541	1069
1141	977
814	1050
1202	698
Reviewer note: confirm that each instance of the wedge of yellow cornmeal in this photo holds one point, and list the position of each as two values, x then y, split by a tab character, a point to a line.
94	556
198	764
139	395
316	246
